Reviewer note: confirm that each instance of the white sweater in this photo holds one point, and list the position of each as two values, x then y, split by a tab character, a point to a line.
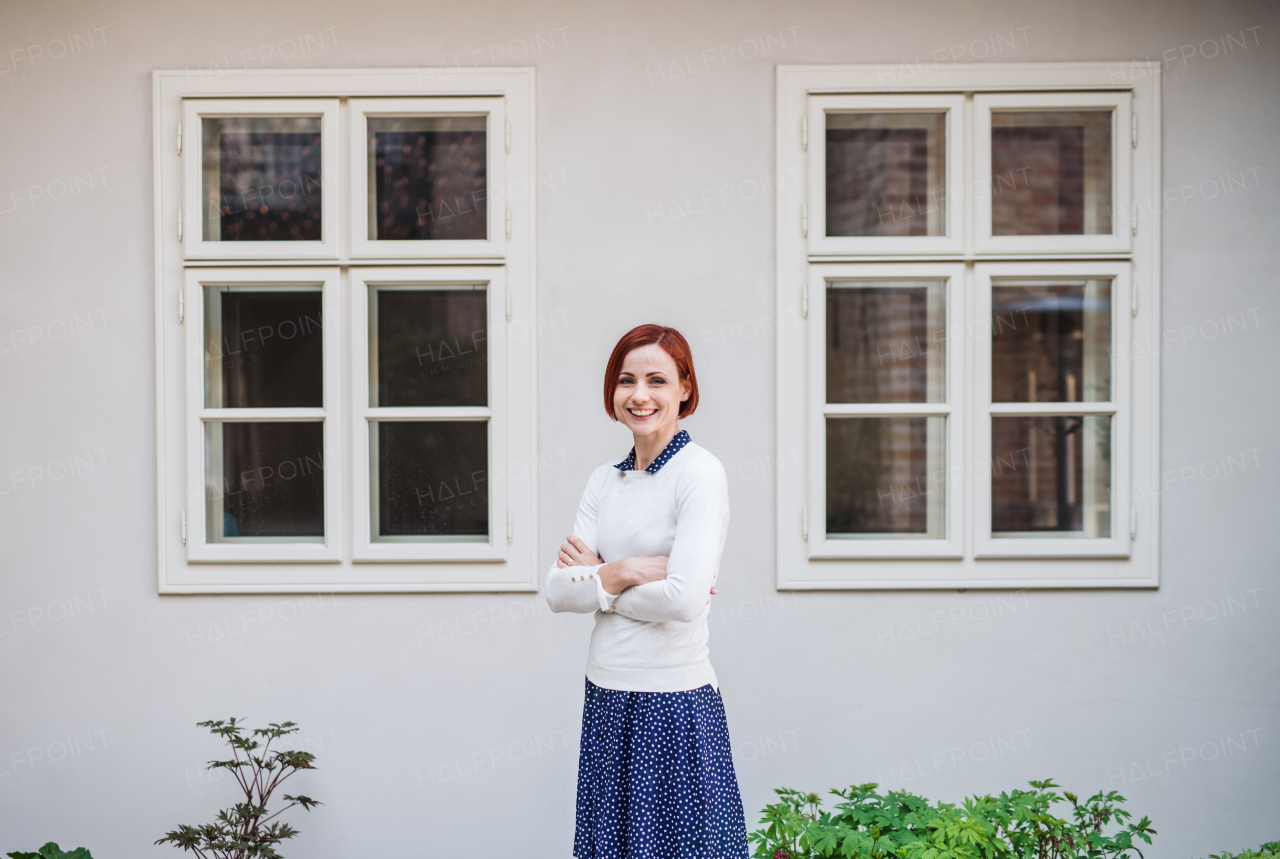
651	637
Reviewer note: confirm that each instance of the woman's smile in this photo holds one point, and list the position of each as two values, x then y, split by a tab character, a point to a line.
648	394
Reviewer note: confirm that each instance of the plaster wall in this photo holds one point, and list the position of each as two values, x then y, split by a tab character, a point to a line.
447	724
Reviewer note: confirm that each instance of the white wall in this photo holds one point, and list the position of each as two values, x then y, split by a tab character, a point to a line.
821	689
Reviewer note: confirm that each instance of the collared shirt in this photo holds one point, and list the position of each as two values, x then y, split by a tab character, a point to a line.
673	447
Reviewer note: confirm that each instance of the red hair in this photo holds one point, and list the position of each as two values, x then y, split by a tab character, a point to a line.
672	342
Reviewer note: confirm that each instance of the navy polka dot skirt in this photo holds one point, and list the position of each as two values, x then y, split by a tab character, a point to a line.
655	778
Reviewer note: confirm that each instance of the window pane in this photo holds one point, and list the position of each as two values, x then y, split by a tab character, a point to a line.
429	346
431	480
1051	342
886	342
1051	173
1051	475
886	477
261	178
264	347
265	481
886	174
427	177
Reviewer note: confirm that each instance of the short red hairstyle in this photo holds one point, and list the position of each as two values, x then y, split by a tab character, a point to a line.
672	342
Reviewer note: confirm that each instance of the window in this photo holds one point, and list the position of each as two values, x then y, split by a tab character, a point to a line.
961	279
424	416
351	310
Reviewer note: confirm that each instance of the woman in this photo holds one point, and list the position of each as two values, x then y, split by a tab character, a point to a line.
655	778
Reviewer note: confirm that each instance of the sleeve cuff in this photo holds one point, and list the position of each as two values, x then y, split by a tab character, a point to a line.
606	598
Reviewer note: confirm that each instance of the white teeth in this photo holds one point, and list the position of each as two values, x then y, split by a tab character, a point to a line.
642	413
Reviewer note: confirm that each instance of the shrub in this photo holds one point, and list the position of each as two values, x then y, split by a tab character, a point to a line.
53	851
245	831
1014	825
1266	851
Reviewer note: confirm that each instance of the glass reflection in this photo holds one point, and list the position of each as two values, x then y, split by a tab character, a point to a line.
427	178
429	346
1051	173
263	347
1051	475
886	342
1051	342
432	480
264	481
886	476
262	178
886	174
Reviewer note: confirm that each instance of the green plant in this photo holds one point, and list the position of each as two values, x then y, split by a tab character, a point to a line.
53	851
1266	851
245	830
1014	825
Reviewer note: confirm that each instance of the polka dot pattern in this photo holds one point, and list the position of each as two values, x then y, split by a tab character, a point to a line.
673	447
655	778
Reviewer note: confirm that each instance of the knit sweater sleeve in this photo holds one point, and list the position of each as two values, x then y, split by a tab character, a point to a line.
702	523
578	589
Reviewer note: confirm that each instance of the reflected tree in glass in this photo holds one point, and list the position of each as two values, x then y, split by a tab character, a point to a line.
427	178
262	178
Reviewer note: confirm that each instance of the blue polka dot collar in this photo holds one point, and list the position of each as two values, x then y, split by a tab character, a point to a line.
673	447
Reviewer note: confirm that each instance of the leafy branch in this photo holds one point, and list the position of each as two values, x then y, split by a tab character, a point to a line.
246	830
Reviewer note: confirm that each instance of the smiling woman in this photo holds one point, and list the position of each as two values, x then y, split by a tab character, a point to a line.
656	772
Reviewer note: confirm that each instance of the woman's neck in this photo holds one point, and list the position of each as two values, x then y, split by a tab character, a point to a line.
650	445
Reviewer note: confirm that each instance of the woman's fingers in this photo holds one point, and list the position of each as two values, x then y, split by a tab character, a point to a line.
581	552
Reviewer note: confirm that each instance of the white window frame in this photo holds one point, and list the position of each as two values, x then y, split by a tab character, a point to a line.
985	545
198	415
952	240
186	562
1130	256
194	245
951	545
363	247
364	416
1119	240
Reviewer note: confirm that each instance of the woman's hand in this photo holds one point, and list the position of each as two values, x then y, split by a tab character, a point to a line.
576	554
620	575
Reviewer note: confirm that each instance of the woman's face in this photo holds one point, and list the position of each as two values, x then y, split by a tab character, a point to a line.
648	393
